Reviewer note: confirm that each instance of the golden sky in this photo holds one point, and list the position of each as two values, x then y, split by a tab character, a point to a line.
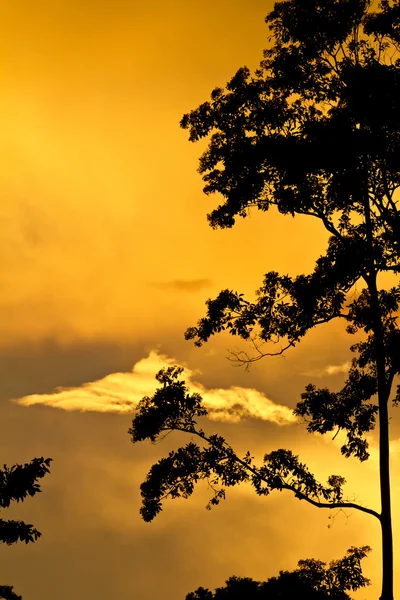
105	259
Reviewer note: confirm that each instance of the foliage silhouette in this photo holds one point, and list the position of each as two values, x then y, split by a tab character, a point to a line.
312	580
16	483
7	593
314	131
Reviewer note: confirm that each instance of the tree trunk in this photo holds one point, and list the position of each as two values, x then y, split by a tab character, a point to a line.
383	400
384	456
386	517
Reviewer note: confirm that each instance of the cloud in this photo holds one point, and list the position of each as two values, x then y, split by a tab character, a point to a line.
329	370
184	285
334	369
237	403
121	392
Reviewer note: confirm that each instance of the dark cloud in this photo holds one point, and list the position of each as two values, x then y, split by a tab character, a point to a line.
184	285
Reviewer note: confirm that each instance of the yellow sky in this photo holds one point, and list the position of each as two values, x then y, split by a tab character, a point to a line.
105	256
101	197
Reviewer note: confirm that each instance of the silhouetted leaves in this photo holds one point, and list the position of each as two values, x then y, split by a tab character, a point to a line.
17	531
171	407
319	115
7	593
176	475
312	580
347	410
16	483
19	481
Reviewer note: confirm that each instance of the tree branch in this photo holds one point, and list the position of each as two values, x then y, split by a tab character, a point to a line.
292	488
240	357
302	496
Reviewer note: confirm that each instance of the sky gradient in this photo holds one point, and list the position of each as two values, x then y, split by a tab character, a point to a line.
106	258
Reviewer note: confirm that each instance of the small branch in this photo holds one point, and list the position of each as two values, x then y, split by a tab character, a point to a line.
388	191
329	226
394	268
240	357
343	52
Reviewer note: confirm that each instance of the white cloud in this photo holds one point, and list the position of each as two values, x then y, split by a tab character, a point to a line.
237	403
121	392
334	369
329	370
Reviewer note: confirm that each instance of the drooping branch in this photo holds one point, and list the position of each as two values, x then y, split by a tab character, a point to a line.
176	475
317	504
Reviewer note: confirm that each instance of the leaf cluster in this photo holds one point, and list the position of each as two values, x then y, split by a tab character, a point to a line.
16	483
7	593
315	124
312	580
171	407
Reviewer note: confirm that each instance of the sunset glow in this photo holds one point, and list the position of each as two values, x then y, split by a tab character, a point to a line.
106	259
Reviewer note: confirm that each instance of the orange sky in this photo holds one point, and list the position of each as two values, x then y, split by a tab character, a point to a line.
106	258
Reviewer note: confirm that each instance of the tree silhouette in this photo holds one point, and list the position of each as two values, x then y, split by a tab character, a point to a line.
314	131
7	593
312	580
16	483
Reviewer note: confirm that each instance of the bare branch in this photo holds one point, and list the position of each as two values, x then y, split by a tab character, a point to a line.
240	358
